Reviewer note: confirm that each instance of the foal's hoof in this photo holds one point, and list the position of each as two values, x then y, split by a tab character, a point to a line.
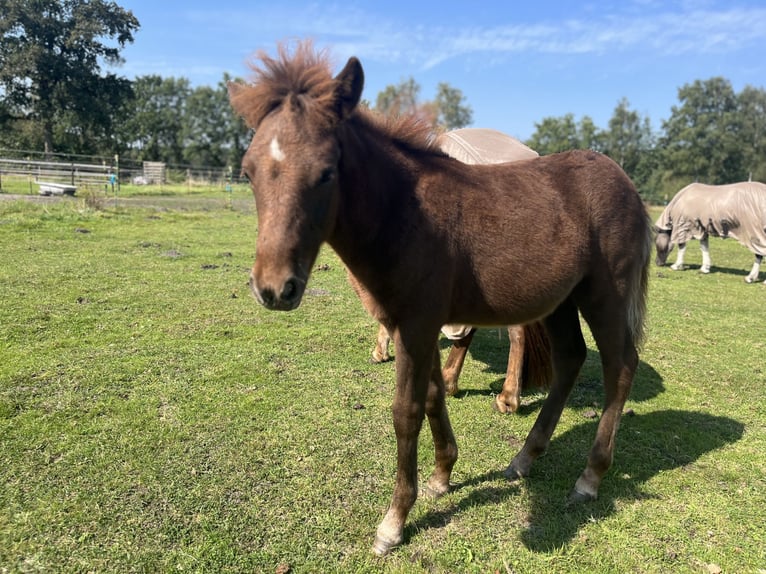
381	546
513	474
376	359
576	497
429	492
505	406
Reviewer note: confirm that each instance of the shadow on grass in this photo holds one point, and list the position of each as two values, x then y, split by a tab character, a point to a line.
714	269
646	446
588	390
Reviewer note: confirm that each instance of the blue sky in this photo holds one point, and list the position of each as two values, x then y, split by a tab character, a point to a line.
516	62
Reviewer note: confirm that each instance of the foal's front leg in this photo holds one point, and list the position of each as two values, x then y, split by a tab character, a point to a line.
419	391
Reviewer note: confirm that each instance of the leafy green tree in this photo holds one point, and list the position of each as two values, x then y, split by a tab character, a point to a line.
51	53
447	111
628	136
557	134
453	112
213	134
752	118
700	139
400	99
154	127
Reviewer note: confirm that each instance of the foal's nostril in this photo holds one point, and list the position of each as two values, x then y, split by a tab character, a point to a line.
267	297
290	290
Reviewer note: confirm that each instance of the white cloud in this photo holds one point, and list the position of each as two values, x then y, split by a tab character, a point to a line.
689	29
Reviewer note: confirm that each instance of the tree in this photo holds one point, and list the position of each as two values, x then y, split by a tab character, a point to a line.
701	136
628	137
398	100
752	117
554	135
212	133
51	52
154	129
446	111
453	113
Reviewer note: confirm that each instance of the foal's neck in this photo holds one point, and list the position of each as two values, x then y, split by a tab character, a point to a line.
378	179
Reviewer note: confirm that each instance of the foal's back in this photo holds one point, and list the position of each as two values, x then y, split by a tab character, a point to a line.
556	219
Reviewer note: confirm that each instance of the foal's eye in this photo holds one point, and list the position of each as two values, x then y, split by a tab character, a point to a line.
327	176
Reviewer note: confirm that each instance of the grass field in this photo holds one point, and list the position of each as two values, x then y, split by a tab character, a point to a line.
153	418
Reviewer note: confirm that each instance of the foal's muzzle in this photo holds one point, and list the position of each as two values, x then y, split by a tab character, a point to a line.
286	297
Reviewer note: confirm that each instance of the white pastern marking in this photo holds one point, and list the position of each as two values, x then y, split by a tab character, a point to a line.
276	151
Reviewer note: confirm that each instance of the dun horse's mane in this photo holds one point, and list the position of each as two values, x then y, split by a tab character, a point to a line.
304	75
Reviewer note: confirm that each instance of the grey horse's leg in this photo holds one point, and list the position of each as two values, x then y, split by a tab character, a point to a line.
752	277
679	264
705	248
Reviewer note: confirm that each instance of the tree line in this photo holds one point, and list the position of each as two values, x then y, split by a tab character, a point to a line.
55	97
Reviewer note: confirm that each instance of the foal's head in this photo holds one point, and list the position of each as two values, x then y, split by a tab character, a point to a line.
295	106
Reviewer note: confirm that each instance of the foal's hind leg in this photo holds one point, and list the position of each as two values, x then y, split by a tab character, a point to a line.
454	363
568	353
619	360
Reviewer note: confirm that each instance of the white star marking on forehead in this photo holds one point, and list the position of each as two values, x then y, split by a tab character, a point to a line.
276	151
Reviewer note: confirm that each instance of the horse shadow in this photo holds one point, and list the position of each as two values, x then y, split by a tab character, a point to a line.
647	445
490	346
665	271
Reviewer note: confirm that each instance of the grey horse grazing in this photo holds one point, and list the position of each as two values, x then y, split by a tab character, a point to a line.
698	211
529	361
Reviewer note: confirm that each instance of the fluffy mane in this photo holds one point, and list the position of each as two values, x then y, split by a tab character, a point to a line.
303	77
407	132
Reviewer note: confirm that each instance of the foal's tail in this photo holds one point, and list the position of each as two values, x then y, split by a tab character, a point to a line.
537	371
639	286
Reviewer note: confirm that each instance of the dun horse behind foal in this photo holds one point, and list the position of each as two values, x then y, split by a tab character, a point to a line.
435	241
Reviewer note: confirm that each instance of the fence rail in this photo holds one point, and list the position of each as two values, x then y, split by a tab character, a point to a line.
70	173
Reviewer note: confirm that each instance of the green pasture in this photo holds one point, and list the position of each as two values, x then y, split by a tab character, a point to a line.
154	418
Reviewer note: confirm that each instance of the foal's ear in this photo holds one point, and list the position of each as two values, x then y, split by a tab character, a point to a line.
349	89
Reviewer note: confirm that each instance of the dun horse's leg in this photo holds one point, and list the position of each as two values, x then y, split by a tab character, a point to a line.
509	398
753	275
454	363
568	353
619	359
445	446
380	352
705	248
679	264
414	365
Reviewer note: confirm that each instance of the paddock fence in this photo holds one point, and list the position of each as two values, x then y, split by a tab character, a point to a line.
30	169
